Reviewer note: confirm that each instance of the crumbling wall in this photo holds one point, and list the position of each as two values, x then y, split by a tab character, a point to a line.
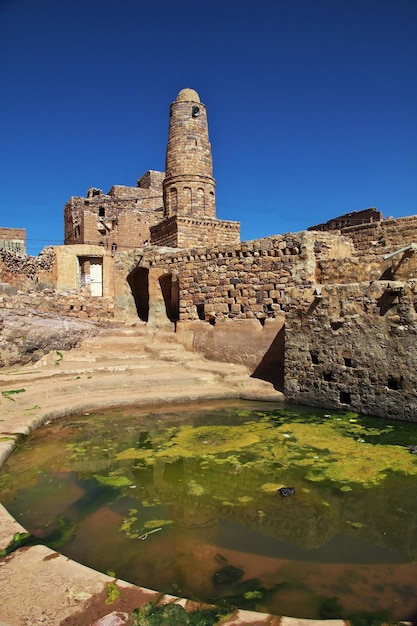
354	347
25	272
120	219
386	235
75	305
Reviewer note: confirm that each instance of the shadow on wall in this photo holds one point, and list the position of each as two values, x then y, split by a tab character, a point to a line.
271	367
139	285
170	292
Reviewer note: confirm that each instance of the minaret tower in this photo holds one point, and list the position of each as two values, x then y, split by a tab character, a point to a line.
189	202
189	186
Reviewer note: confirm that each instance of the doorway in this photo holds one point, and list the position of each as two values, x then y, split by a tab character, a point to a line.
139	285
90	275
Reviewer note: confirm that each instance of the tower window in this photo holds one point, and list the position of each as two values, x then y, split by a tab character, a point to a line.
101	211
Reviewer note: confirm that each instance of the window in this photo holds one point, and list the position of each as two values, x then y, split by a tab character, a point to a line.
345	397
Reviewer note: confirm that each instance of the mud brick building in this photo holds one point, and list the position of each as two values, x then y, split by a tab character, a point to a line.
328	315
13	239
120	219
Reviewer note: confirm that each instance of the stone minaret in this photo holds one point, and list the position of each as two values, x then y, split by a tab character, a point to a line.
189	186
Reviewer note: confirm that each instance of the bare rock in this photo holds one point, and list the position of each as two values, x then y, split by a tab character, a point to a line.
26	335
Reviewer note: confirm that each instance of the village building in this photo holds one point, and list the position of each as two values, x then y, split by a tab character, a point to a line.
13	239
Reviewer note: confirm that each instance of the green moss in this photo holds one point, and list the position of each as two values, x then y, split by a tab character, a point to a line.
11	392
19	540
112	593
176	615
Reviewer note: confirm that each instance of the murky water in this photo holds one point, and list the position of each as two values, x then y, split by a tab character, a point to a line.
187	502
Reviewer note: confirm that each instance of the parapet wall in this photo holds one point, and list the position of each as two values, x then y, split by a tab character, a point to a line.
244	281
249	279
387	234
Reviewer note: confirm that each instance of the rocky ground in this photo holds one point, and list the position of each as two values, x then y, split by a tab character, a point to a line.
26	335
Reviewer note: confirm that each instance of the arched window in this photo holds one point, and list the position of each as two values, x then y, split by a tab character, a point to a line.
187	200
173	200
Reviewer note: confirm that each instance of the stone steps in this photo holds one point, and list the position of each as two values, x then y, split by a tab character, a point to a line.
119	369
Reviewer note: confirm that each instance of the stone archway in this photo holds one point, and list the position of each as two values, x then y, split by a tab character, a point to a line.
138	281
170	291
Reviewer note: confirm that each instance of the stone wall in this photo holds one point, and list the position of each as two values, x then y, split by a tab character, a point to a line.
320	313
51	301
181	232
354	347
388	234
246	280
24	271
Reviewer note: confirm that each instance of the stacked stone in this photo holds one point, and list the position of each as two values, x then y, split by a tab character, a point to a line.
385	236
245	281
17	268
354	348
121	219
53	302
189	186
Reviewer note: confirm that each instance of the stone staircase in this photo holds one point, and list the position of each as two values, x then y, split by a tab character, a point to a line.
120	367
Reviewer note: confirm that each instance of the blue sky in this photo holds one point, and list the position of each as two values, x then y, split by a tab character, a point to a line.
312	105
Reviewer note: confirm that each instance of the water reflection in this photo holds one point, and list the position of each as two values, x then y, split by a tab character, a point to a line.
187	502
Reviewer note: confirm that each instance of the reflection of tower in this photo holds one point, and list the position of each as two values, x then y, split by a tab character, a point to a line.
189	183
189	187
196	540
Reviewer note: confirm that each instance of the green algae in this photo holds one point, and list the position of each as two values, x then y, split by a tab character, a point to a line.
112	593
113	481
331	450
176	615
203	474
19	540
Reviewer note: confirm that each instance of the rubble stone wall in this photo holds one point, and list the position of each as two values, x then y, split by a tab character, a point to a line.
354	348
76	305
24	271
389	234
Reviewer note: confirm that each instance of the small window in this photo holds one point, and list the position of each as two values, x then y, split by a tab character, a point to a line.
314	358
200	312
348	361
394	383
101	211
345	397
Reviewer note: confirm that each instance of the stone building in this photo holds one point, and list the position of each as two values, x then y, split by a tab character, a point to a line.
118	220
176	208
13	239
189	186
